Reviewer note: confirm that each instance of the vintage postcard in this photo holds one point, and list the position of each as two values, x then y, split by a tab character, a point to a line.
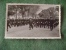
32	21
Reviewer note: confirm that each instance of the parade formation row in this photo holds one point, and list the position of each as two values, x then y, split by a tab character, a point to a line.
41	23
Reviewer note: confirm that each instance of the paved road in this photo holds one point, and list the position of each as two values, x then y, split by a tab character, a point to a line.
23	31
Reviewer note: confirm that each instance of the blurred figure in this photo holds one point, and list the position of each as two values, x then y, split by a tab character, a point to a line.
8	24
30	23
51	23
47	22
44	23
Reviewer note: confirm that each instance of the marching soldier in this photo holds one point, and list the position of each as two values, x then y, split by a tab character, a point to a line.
51	23
8	24
30	23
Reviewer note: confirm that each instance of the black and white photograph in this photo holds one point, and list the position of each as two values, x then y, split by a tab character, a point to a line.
32	21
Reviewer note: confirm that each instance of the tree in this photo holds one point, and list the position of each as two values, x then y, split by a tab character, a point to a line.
30	9
12	9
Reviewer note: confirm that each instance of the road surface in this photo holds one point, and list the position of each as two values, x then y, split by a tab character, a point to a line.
23	31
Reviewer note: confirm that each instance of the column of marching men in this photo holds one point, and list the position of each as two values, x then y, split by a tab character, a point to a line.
38	23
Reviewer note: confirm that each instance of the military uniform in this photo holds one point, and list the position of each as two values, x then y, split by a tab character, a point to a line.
30	24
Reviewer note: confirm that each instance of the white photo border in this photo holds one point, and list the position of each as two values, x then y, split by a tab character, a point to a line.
32	37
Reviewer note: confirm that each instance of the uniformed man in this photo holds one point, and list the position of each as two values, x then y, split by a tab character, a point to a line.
8	24
44	23
51	23
30	23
